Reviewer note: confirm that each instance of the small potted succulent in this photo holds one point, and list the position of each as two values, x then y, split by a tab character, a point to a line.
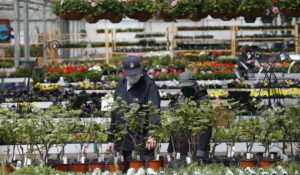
70	9
141	10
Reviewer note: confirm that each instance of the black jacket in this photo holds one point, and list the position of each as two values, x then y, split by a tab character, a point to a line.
144	90
243	59
203	145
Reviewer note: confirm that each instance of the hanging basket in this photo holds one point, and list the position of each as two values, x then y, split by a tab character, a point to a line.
92	19
198	16
166	16
144	16
71	16
116	19
184	16
267	19
256	12
249	19
108	15
216	14
291	12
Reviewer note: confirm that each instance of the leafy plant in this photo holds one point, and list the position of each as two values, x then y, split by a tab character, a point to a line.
62	6
94	76
52	77
136	6
249	132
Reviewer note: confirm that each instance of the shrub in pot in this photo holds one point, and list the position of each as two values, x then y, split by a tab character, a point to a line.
94	76
249	134
8	133
269	130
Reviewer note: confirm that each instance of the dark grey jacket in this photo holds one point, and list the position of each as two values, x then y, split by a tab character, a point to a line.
144	90
203	145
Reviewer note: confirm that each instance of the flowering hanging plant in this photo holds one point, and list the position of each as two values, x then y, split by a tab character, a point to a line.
134	7
65	6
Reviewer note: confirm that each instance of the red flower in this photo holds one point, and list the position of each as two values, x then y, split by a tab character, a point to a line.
179	71
59	71
172	71
273	1
82	70
51	70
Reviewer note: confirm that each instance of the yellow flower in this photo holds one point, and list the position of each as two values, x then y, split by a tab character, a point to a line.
37	84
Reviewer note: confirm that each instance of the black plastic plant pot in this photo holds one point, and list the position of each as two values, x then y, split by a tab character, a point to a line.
249	19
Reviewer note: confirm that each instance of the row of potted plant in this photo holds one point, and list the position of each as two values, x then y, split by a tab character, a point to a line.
142	43
266	27
292	83
149	35
6	64
265	36
114	10
187	28
85	132
194	37
154	49
189	46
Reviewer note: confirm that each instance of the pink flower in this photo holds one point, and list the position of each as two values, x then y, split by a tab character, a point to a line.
275	10
157	73
153	0
93	4
157	12
90	1
273	1
268	12
174	3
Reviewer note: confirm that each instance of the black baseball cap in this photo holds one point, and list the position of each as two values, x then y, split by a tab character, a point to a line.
131	65
187	79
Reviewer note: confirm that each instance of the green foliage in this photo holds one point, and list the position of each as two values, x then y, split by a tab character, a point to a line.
94	76
6	64
74	45
217	6
134	7
61	6
182	8
115	6
250	130
23	71
248	5
52	77
289	4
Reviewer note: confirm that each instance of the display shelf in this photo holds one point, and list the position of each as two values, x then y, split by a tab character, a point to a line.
262	39
203	39
199	50
81	48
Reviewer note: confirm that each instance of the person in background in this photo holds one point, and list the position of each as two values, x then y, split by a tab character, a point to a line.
190	89
245	62
136	85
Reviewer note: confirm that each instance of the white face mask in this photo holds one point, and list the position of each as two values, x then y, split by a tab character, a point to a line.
134	78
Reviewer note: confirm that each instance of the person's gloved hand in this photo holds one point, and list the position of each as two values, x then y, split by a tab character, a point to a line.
151	143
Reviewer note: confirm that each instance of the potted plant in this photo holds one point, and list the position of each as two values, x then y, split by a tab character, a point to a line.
70	9
226	10
141	10
8	133
251	9
97	135
63	134
162	11
271	11
250	130
114	10
269	130
95	11
94	75
198	11
290	8
181	9
81	136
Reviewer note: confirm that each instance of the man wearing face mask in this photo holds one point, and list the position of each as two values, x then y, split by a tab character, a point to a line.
136	85
190	89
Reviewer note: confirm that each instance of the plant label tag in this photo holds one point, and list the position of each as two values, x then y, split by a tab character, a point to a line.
169	158
133	154
157	157
99	159
178	156
248	156
65	160
188	160
14	158
28	161
272	156
122	158
115	160
19	164
82	159
138	157
117	154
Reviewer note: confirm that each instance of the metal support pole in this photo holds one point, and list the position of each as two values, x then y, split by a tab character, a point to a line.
45	33
17	33
26	32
